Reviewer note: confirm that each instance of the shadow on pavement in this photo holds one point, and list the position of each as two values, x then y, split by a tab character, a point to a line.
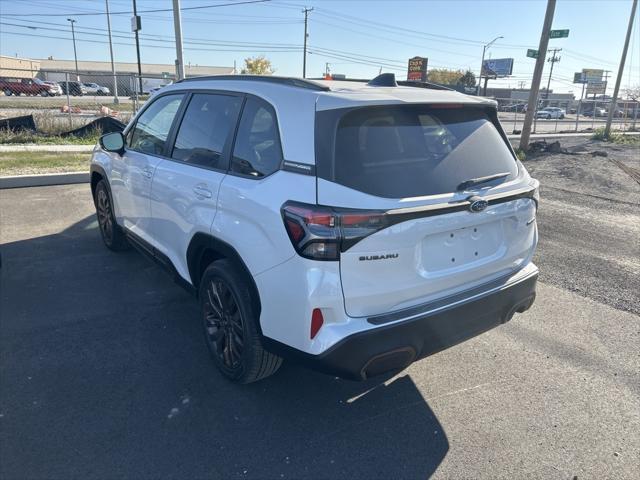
104	374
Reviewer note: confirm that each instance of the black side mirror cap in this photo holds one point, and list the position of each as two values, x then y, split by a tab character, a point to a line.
112	142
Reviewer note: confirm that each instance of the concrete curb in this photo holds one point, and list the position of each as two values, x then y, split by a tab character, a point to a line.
43	180
46	148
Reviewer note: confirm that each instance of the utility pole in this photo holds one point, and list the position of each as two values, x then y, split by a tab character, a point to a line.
553	59
537	75
484	49
616	90
113	67
75	53
136	24
304	55
177	25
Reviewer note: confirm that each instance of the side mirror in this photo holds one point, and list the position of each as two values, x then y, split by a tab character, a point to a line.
112	142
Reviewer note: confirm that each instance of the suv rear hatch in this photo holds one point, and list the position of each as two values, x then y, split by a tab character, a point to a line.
402	180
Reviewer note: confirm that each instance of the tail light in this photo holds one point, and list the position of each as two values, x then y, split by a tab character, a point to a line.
321	233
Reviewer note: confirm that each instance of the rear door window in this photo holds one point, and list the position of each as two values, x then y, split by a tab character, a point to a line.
205	129
410	151
257	151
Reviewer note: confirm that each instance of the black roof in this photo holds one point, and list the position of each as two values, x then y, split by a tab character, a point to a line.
290	81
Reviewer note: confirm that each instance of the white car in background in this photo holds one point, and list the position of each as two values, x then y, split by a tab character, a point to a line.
54	88
551	112
95	89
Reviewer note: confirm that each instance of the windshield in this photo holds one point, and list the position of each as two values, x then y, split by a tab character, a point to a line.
410	151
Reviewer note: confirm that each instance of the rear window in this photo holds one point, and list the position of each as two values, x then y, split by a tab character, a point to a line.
410	150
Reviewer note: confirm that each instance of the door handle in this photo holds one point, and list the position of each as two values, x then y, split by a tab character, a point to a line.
202	191
147	172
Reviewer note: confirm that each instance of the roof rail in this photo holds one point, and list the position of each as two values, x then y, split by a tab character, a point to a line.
289	81
401	83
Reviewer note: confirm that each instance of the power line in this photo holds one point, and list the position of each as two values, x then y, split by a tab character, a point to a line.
129	12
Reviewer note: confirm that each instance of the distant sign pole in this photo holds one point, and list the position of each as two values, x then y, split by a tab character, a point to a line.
614	100
537	75
417	69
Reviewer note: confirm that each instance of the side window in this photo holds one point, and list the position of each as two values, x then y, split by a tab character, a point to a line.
257	151
152	127
205	127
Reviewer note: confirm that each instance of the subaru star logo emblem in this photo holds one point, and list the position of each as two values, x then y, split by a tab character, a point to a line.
477	204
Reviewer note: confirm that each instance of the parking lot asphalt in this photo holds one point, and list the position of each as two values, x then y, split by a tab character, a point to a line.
104	372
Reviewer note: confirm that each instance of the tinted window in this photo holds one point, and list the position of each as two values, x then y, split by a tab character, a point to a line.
152	127
411	151
257	151
204	129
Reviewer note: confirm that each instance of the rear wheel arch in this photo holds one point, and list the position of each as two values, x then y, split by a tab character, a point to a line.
205	249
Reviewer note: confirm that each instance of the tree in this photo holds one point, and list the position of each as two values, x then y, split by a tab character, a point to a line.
632	93
444	76
257	66
468	79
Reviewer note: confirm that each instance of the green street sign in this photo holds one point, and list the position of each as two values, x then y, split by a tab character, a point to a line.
531	53
559	33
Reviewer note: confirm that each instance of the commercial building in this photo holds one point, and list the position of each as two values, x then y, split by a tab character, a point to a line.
153	74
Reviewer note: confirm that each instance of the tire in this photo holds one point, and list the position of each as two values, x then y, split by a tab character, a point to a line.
8	93
230	320
112	234
44	93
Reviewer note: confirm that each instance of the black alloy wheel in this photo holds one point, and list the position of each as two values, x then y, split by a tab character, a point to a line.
223	325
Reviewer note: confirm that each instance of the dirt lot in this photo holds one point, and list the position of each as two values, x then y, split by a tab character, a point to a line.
590	221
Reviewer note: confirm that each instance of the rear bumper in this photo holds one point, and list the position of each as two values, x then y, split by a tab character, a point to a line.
396	345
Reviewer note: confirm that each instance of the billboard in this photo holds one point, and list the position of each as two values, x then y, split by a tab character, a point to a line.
417	71
596	88
579	77
497	67
592	75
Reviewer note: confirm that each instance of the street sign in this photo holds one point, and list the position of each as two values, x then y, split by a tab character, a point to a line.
531	53
497	67
579	77
417	71
559	33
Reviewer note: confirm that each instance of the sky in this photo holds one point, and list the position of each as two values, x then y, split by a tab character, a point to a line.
356	37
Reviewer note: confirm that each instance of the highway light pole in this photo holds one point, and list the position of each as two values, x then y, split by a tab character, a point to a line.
484	50
616	90
532	104
113	67
75	53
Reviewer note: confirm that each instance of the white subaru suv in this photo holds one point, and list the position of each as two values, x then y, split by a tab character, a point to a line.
354	227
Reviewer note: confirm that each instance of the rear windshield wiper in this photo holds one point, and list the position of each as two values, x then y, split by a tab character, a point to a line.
472	182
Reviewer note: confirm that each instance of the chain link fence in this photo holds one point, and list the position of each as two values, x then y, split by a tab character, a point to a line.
569	116
61	101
